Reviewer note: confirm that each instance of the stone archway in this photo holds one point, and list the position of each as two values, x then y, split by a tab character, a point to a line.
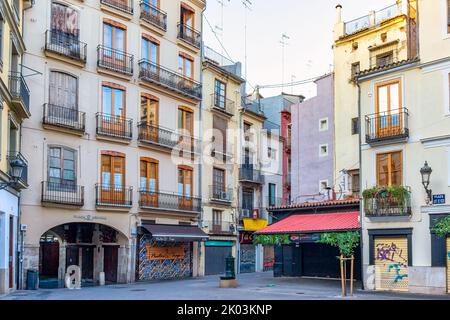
95	248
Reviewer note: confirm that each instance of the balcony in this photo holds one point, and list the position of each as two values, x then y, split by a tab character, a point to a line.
67	119
65	45
57	193
115	127
250	175
20	94
113	196
221	155
115	60
219	194
22	183
387	202
252	213
222	104
125	6
155	200
155	74
189	35
387	127
164	138
153	16
220	227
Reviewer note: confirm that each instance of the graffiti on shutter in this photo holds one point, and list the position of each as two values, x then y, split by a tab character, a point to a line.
391	263
448	264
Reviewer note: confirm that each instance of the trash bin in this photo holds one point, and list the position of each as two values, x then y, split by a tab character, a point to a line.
32	279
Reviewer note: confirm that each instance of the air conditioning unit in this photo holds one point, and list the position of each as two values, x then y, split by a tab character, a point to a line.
224	196
23	227
245	213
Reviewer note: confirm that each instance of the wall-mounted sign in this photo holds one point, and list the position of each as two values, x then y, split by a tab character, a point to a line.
439	199
165	253
299	238
246	237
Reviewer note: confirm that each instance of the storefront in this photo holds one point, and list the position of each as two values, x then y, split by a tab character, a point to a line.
251	256
215	254
167	251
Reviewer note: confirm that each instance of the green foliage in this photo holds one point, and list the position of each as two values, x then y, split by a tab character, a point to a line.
442	228
398	194
345	241
271	239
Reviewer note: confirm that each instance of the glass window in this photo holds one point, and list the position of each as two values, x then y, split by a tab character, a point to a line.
61	166
219	94
113	101
389	169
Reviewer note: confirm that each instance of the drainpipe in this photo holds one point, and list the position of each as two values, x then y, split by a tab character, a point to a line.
360	185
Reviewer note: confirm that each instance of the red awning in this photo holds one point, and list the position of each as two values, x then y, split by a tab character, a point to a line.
315	223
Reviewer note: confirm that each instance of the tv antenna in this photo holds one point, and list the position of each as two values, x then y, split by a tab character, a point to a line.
220	28
284	43
247	7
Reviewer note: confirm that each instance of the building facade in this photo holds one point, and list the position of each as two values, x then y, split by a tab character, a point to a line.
116	188
405	119
371	41
14	108
313	144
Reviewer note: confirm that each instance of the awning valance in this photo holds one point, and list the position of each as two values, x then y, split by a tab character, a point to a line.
176	233
307	223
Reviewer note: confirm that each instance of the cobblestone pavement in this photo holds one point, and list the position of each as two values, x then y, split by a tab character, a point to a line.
256	286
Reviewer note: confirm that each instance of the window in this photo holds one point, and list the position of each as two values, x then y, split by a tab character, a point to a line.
323	124
186	66
2	21
385	59
388	104
354	180
219	94
113	171
61	167
247	131
272	194
187	17
247	200
220	126
356	67
149	110
149	175
185	181
271	153
64	22
218	182
355	126
323	150
389	169
150	50
114	37
13	136
113	101
63	96
217	221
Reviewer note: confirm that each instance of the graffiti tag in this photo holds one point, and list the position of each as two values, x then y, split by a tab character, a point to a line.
398	276
390	252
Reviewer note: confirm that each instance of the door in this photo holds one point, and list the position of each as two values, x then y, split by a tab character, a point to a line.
187	19
114	43
72	256
247	202
149	183
50	259
11	252
186	129
248	258
448	265
288	260
150	52
389	120
113	107
215	259
113	179
149	117
87	263
219	184
185	187
391	263
110	263
63	98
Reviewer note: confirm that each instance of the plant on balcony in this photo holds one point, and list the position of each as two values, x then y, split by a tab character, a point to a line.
271	239
346	242
393	195
442	227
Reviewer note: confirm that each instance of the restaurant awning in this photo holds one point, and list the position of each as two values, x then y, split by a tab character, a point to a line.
176	233
308	223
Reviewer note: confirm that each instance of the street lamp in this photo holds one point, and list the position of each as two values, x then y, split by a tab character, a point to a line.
17	166
426	173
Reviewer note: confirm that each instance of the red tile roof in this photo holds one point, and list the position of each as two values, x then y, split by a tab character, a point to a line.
314	223
319	204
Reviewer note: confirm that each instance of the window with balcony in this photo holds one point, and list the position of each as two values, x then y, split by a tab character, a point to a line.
149	182
150	52
389	169
217	221
186	26
247	202
219	94
185	187
112	54
186	128
152	13
61	168
218	183
148	127
220	126
186	66
389	121
112	184
111	120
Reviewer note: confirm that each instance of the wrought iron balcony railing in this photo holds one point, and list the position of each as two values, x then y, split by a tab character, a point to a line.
156	135
122	5
64	117
154	73
153	15
387	126
220	194
19	90
113	195
168	201
381	202
189	35
251	175
62	193
251	213
223	104
220	227
115	60
65	44
13	155
114	126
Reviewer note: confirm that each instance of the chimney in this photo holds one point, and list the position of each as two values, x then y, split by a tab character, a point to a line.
339	25
338	13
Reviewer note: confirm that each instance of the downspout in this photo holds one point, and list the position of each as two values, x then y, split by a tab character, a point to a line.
361	247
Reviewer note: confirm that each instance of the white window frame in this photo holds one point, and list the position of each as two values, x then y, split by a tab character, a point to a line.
326	124
320	184
320	150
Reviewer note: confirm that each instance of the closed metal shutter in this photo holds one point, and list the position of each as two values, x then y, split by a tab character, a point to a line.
448	265
391	263
248	258
215	259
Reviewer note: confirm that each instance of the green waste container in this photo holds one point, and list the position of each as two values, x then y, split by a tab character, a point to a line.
32	279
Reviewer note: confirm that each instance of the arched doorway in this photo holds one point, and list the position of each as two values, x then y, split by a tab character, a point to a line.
95	248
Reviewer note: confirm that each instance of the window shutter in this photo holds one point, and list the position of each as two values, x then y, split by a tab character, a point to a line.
220	125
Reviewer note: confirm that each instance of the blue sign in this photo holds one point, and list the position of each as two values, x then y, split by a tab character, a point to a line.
439	199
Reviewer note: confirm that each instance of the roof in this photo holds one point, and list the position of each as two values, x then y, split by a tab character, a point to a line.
314	223
319	204
386	67
175	232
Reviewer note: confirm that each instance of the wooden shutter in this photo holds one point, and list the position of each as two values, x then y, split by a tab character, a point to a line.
220	125
63	90
391	263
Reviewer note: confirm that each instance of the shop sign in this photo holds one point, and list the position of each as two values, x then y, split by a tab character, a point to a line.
246	237
165	253
299	238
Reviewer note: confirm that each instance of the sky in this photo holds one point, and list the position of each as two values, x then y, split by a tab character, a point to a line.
308	24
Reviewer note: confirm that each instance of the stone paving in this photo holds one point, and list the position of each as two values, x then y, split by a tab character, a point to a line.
255	286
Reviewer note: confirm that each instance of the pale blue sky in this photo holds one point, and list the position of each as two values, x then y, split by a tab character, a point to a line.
308	23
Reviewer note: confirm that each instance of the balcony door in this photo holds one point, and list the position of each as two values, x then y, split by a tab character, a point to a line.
220	89
113	179
150	117
185	179
186	128
63	98
389	104
217	221
187	19
389	169
114	39
247	202
113	109
64	27
218	183
149	182
150	53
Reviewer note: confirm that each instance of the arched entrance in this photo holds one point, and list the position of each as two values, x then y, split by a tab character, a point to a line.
95	248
